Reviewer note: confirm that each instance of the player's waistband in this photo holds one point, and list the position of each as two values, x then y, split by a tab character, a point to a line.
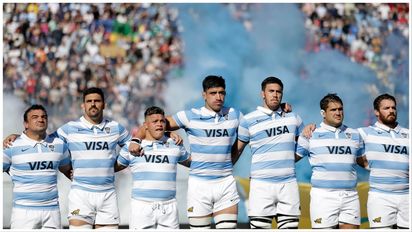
155	203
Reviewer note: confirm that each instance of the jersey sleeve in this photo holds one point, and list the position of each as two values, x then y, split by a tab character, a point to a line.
362	137
124	156
302	147
181	119
66	158
243	130
184	155
299	125
124	136
6	159
62	133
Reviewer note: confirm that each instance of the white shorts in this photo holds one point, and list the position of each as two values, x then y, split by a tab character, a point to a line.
270	199
205	197
94	207
154	215
388	209
22	218
330	207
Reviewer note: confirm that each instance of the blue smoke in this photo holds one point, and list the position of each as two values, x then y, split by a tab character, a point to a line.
215	43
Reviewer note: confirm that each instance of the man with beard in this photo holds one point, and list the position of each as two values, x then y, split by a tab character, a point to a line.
92	142
272	135
386	154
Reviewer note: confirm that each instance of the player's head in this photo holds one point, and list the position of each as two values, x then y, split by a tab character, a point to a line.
272	92
331	109
214	92
385	109
93	104
35	119
155	122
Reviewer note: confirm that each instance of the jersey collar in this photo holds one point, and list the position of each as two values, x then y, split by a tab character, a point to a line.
211	113
384	127
89	125
149	143
269	111
332	128
33	142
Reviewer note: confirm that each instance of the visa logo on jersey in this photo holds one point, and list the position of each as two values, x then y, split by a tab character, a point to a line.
339	150
41	165
156	159
217	133
395	149
277	131
97	145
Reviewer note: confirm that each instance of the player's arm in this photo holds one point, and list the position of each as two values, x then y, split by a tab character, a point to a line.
8	141
118	166
67	170
171	124
123	159
186	162
237	150
363	162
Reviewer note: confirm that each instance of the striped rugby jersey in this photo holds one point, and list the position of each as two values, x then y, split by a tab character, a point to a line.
154	173
93	152
332	154
211	136
387	152
271	136
33	167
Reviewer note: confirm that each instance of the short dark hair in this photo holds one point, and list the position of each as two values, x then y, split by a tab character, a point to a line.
93	90
271	80
154	110
33	107
382	97
213	81
330	97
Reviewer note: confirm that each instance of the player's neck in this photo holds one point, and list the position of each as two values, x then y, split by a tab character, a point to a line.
37	136
94	121
149	137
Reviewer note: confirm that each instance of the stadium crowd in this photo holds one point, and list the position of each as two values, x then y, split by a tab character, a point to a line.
359	30
52	52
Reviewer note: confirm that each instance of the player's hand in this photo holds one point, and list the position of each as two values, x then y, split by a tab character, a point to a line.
307	131
286	107
8	141
135	149
176	137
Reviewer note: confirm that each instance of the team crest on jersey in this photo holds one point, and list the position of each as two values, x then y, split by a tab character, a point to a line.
404	135
318	221
51	147
107	130
348	135
377	220
190	209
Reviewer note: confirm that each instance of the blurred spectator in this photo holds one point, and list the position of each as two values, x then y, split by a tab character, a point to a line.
53	51
361	31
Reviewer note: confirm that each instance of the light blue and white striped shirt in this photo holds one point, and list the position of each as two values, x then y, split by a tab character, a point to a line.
332	154
271	136
387	152
33	167
154	173
211	136
93	152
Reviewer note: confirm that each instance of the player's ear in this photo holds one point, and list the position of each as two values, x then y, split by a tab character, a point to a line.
322	112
